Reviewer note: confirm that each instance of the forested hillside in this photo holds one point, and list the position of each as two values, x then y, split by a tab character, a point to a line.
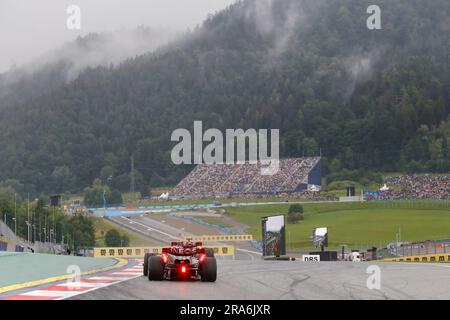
369	99
58	67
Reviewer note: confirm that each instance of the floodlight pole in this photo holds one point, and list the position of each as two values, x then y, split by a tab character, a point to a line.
104	198
28	215
15	214
15	226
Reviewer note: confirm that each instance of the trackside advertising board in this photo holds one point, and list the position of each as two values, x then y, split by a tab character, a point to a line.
320	237
138	252
273	236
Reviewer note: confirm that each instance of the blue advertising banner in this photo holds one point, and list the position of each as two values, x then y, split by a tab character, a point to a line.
371	193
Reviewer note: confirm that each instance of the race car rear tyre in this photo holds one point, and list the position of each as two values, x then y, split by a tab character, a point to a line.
208	270
155	268
209	252
146	256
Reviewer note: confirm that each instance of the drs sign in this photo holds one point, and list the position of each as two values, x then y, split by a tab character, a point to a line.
311	258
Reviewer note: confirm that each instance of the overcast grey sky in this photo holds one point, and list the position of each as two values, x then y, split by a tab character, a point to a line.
30	28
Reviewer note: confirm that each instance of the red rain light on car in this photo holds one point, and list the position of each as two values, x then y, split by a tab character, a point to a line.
183	269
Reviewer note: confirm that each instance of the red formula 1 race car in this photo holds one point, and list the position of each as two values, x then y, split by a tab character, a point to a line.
182	261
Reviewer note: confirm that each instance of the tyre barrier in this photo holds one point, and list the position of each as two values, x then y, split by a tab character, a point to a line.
426	258
220	238
139	252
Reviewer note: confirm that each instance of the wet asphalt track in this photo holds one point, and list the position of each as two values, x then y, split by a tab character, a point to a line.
273	280
248	278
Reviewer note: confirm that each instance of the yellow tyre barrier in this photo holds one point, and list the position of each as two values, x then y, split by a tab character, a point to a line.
220	238
139	252
434	258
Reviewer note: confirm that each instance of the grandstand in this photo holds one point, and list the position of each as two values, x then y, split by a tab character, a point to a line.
227	180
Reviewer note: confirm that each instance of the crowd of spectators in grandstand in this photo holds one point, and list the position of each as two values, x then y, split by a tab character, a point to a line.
241	180
411	187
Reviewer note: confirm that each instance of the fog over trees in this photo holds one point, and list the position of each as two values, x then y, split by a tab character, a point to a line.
374	100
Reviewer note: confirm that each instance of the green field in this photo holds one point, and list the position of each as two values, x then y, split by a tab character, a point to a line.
358	225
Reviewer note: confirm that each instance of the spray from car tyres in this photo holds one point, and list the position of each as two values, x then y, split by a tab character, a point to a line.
193	310
183	260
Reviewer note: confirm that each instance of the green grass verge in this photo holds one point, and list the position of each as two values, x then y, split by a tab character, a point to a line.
358	225
207	219
215	221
